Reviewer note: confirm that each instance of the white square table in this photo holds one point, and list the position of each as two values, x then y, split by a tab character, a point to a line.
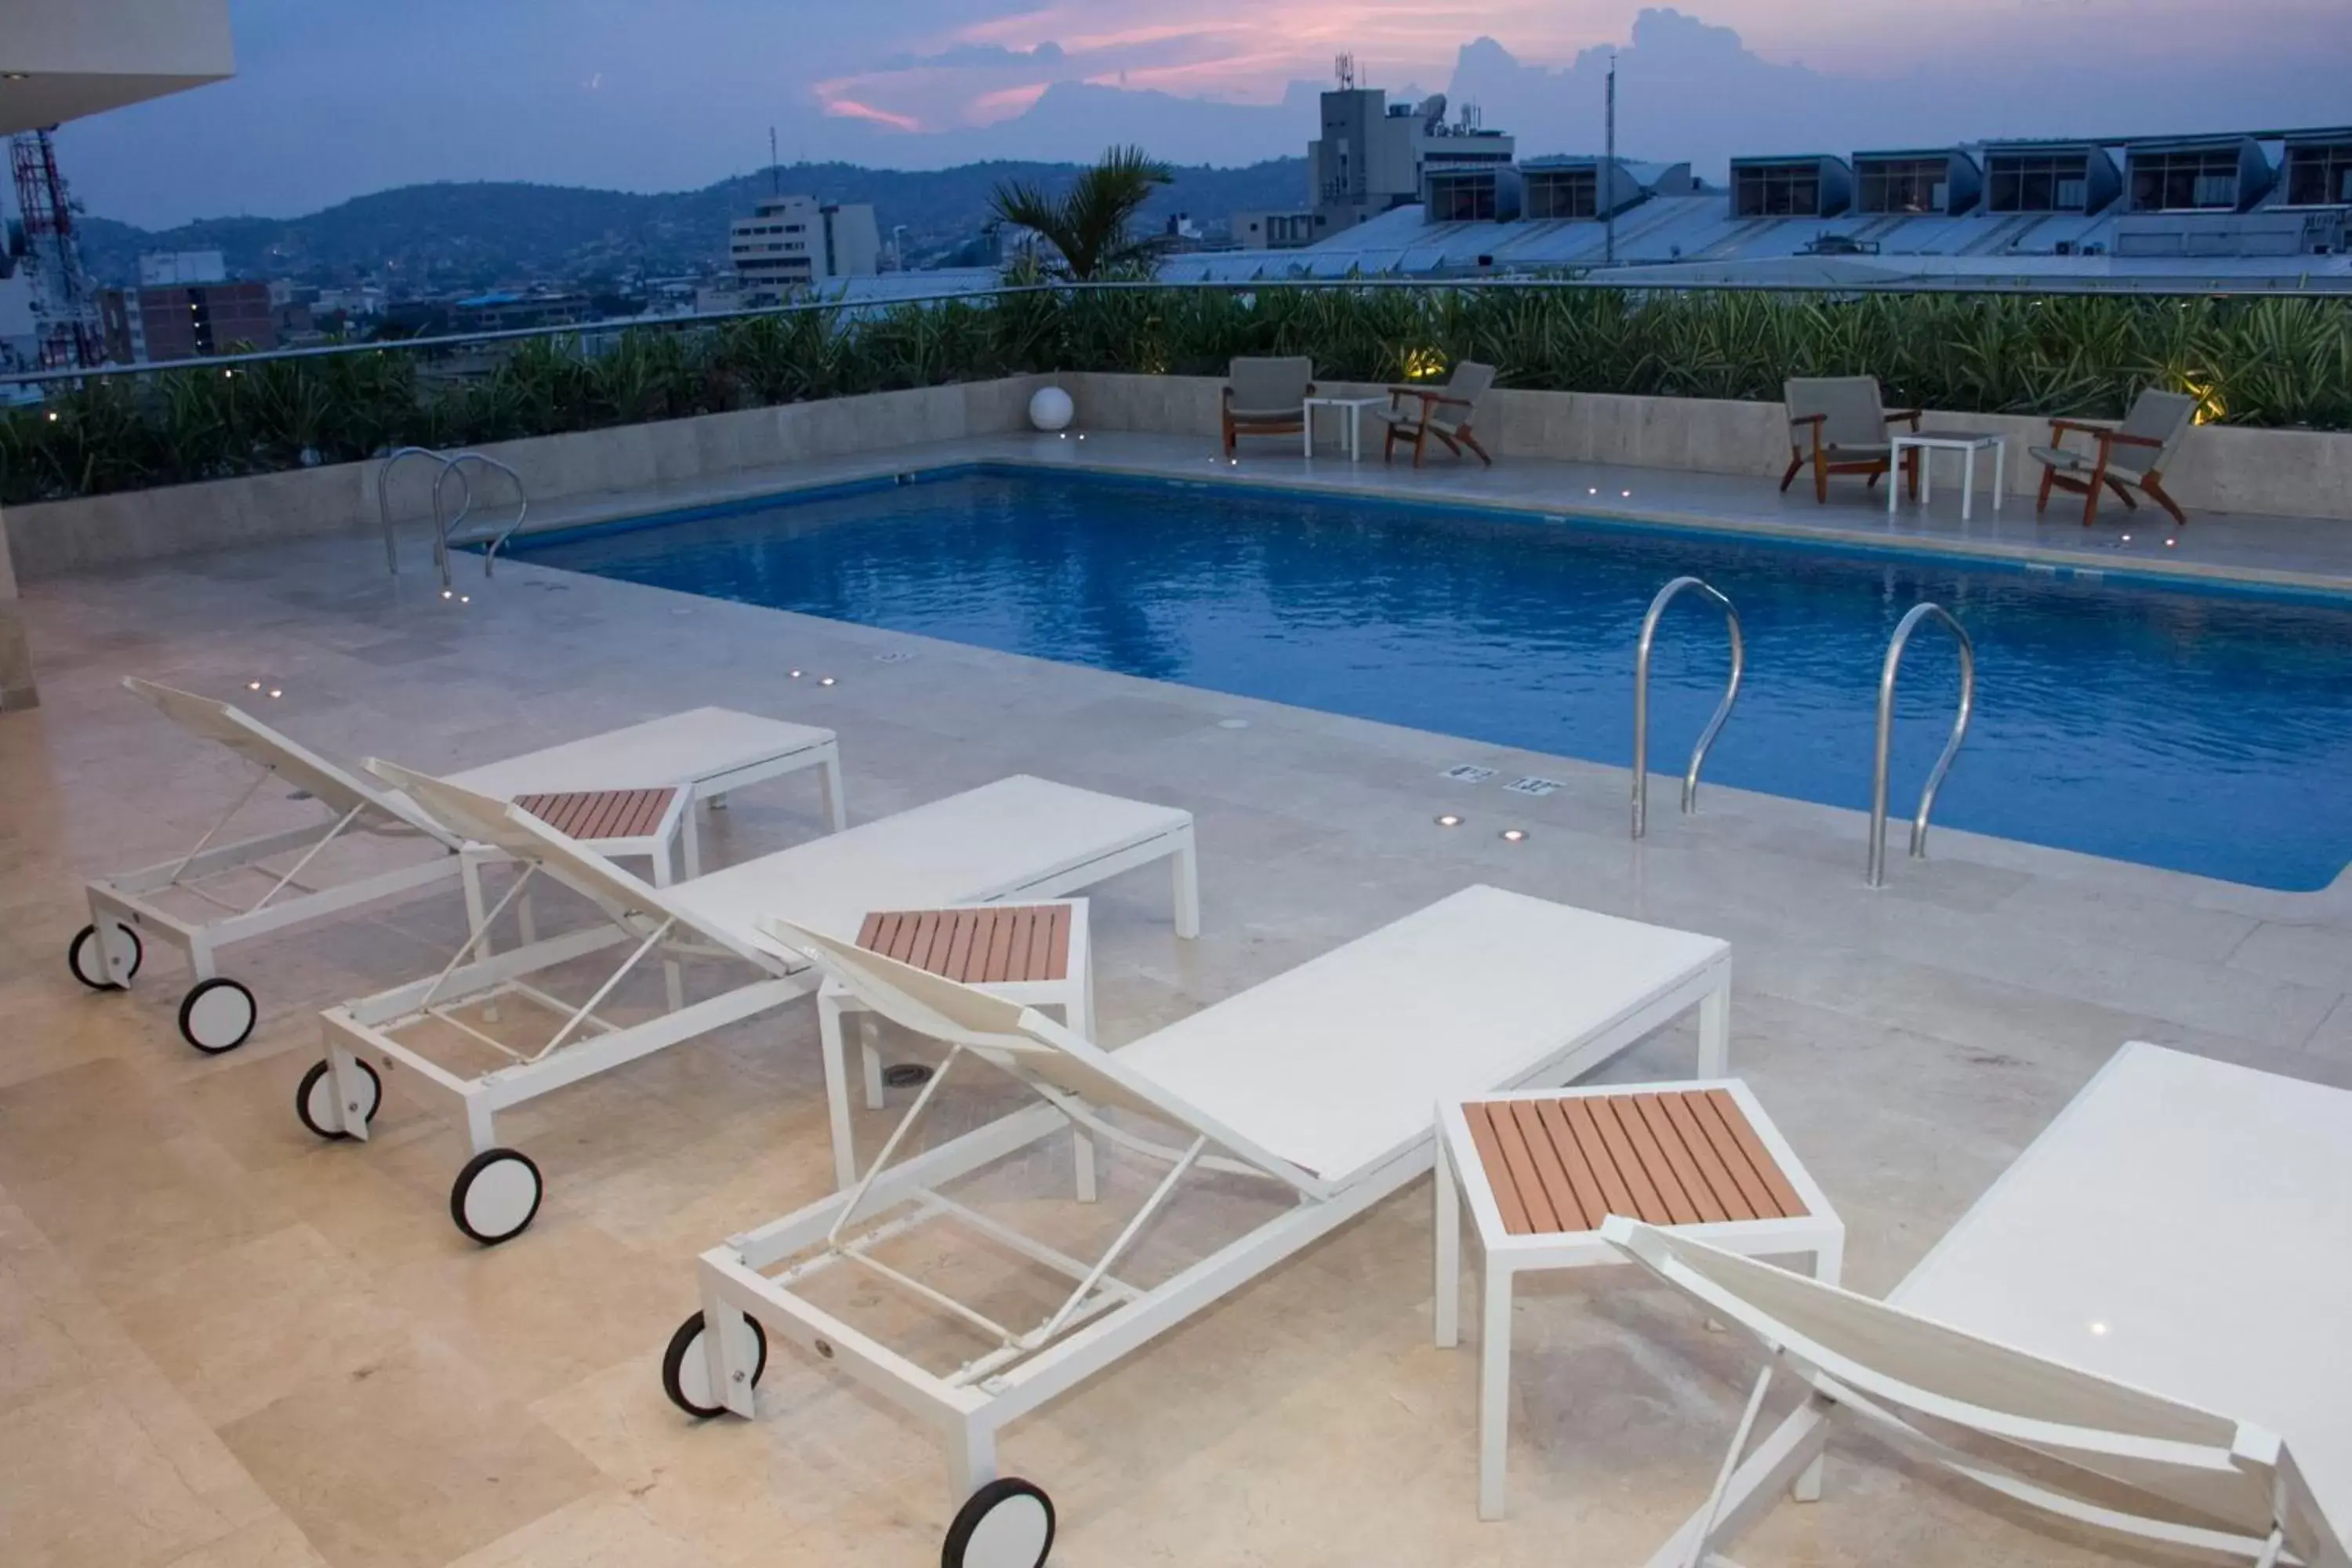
1355	407
715	748
1540	1169
1968	443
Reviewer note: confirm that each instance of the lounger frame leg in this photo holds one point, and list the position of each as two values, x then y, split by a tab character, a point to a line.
1446	1310
1187	872
1714	1030
836	802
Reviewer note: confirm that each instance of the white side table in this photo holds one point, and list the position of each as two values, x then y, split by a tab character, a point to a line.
1355	407
1036	954
1541	1168
1968	443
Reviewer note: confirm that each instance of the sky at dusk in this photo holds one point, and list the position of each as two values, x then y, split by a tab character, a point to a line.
337	98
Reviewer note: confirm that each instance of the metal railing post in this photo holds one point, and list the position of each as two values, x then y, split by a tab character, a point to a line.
1641	700
1894	651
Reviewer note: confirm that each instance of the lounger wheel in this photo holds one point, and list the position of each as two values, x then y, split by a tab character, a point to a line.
314	1101
83	958
1007	1524
685	1367
495	1196
217	1015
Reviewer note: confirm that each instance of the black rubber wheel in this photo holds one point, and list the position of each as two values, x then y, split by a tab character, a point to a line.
318	1084
685	1376
218	1015
1008	1524
81	955
496	1195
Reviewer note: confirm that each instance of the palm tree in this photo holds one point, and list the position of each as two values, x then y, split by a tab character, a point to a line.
1091	224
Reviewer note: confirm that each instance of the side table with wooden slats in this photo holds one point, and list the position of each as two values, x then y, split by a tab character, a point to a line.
1036	955
1540	1169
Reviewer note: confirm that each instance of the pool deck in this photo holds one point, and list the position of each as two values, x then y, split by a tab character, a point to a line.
230	1344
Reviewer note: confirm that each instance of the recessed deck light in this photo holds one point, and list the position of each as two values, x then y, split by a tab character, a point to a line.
1514	835
2099	1329
1627	494
2171	542
465	598
1449	820
253	686
826	681
274	692
793	673
2126	538
449	593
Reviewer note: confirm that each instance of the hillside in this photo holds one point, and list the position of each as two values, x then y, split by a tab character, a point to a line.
439	236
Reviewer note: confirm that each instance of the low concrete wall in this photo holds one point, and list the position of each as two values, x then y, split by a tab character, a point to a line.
2285	473
54	538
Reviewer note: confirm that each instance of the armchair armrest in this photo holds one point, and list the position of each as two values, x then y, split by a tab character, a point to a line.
1906	415
2087	426
2117	438
1397	392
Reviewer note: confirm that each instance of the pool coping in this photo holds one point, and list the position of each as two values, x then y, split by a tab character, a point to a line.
627	514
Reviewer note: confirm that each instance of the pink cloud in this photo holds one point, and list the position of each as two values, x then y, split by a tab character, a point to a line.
1006	101
850	109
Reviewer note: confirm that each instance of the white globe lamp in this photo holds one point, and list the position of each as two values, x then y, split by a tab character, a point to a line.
1052	409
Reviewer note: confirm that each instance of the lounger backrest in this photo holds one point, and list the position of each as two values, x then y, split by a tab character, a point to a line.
1018	1039
1853	412
1471	381
478	819
1270	385
2160	416
2232	1471
297	766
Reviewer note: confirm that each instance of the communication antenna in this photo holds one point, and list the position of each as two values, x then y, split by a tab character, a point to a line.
1608	168
775	169
1344	68
1474	118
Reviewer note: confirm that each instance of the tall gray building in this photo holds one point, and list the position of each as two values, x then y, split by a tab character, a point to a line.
1373	155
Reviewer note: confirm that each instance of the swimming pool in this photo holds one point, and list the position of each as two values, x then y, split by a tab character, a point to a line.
2208	732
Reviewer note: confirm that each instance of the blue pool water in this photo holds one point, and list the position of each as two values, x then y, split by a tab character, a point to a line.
2204	732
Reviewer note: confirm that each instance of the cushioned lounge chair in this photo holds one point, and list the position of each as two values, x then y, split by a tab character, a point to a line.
2132	455
1267	397
1840	425
1446	411
1018	837
1318	1087
188	902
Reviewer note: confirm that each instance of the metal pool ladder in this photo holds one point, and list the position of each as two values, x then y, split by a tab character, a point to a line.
445	525
1894	651
1641	700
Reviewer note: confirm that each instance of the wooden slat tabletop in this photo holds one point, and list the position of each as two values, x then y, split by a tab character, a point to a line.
985	946
592	815
1680	1157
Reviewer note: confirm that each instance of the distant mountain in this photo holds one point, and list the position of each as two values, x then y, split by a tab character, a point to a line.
439	236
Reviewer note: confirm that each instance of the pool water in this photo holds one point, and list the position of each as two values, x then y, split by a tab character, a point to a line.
2208	733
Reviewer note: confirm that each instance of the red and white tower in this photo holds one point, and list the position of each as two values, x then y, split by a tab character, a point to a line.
65	306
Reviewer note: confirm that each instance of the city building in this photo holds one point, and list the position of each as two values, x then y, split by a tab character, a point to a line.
145	325
790	243
1373	156
2264	209
1263	230
503	311
163	268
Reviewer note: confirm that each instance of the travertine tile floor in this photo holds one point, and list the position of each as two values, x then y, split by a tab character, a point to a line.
223	1344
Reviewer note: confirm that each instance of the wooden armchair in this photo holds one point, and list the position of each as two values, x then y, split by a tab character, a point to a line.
2128	456
1839	424
1446	413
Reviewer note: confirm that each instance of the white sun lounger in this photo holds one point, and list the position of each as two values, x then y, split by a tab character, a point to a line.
708	751
1322	1082
2153	1297
1018	837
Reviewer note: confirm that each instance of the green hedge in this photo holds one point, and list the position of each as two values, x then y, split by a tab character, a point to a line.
2261	362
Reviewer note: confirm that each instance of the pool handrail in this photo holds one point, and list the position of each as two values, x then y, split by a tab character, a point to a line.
1894	651
1642	699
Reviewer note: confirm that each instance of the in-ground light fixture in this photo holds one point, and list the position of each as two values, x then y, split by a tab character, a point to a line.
1449	820
1513	835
